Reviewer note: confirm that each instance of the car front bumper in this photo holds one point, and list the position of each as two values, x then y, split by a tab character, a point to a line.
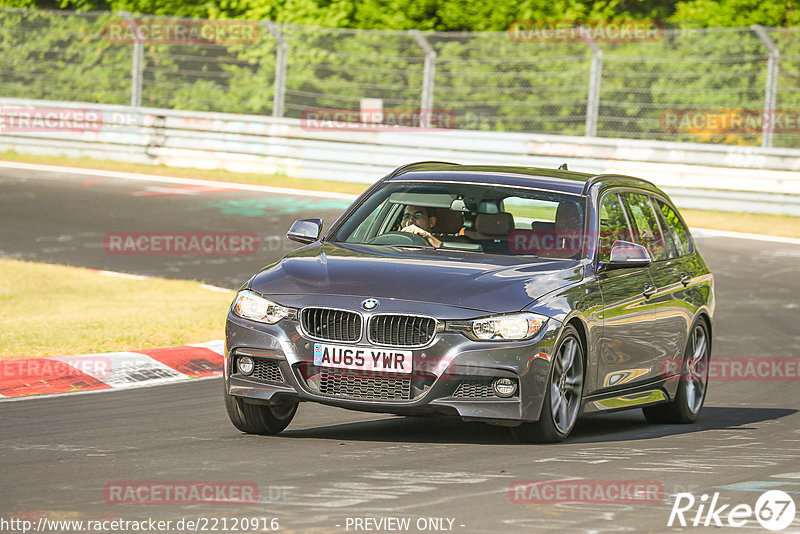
452	374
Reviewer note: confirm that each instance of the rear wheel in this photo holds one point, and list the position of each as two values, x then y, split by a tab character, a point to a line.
258	418
563	397
693	382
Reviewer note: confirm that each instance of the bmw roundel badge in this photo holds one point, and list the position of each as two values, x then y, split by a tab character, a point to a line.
370	304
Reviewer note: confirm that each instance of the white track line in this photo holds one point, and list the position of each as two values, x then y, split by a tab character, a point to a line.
701	233
217	288
129	276
174	180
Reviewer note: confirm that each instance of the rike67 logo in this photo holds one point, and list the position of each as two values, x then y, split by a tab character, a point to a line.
774	510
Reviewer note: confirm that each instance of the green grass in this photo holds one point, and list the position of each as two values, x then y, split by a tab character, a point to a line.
751	223
544	213
54	310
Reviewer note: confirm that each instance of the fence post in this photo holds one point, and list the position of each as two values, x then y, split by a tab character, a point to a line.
138	61
428	75
593	98
280	68
771	90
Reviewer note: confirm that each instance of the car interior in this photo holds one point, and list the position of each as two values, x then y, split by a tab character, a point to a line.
492	227
508	222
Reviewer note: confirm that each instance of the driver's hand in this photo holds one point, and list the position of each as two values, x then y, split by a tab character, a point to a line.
414	229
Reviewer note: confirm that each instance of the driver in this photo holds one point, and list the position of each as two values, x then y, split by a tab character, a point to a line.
419	220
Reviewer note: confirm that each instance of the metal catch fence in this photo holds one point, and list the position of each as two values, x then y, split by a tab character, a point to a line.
736	86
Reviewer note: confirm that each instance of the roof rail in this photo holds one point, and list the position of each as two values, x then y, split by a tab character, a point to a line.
591	181
596	178
403	168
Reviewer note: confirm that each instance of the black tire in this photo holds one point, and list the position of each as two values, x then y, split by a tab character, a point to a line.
260	418
546	429
680	410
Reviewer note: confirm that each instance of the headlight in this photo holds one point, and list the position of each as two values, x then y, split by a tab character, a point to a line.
245	364
256	308
516	326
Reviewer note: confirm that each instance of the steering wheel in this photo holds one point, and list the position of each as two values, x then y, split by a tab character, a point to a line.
399	238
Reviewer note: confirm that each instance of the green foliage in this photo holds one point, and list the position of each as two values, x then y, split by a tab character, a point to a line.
449	15
491	82
51	56
486	79
735	13
686	70
237	78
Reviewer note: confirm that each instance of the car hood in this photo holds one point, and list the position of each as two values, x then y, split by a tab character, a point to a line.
494	284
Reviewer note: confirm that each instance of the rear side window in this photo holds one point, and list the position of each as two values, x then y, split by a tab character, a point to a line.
675	228
646	231
613	226
527	211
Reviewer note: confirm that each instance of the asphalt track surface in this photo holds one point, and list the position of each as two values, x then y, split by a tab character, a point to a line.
57	454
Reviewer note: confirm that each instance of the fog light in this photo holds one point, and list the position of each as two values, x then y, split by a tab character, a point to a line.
504	387
245	364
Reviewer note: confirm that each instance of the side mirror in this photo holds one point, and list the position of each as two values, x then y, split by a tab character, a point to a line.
627	254
305	230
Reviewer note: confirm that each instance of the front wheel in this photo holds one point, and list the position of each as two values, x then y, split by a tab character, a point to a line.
693	382
258	418
563	397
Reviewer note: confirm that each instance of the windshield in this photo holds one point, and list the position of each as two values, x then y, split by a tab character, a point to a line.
471	217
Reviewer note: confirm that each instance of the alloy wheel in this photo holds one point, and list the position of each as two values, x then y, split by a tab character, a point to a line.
566	385
696	372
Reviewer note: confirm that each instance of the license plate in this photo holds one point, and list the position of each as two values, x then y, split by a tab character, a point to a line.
363	358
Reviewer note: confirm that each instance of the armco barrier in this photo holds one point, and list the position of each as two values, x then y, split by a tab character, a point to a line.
728	178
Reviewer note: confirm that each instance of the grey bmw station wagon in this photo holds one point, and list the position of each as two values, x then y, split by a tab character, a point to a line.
515	296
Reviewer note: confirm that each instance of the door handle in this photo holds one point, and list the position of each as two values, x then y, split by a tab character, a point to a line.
648	291
685	279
